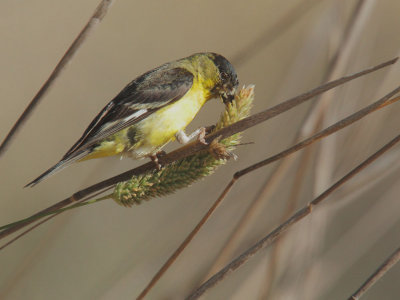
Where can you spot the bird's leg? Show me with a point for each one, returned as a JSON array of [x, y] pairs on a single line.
[[155, 157], [200, 133]]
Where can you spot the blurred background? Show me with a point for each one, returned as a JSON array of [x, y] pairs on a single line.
[[105, 251]]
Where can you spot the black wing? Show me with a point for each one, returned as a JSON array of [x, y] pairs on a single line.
[[142, 97]]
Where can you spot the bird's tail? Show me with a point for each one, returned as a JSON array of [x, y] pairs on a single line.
[[57, 167]]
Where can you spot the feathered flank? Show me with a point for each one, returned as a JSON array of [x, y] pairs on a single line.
[[184, 172]]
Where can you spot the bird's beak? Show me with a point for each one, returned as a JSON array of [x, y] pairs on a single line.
[[228, 96]]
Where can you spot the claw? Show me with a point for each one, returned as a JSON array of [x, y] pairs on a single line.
[[155, 157], [202, 134]]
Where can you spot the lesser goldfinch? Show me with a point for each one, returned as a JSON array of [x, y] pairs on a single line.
[[153, 110]]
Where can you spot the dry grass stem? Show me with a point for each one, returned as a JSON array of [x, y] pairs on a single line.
[[386, 266], [276, 233], [94, 20], [325, 161], [53, 211], [292, 203], [382, 211], [252, 212], [386, 100], [187, 240], [27, 231]]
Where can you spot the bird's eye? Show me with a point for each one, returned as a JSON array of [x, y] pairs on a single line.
[[224, 76]]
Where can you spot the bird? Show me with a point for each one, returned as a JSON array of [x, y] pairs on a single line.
[[153, 110]]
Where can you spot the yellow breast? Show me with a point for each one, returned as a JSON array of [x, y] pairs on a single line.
[[161, 127]]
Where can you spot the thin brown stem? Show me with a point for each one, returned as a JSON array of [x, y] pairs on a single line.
[[27, 231], [252, 212], [276, 233], [179, 250], [383, 268], [386, 100], [44, 213], [94, 20], [290, 208], [6, 232]]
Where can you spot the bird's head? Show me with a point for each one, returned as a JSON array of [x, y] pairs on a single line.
[[227, 82]]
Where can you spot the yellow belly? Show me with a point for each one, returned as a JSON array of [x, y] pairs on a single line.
[[160, 128]]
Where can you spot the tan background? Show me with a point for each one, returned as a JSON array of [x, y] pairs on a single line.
[[109, 252]]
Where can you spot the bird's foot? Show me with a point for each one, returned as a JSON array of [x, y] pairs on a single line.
[[155, 158], [200, 133]]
